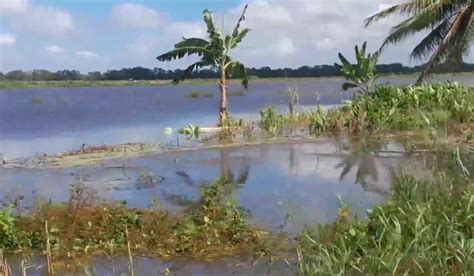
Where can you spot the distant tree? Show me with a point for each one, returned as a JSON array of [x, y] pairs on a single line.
[[451, 26], [214, 54]]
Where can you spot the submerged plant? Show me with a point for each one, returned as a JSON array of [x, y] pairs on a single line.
[[213, 53]]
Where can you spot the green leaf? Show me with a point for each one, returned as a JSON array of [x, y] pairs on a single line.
[[352, 231]]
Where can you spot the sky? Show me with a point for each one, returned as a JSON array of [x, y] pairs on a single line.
[[96, 35]]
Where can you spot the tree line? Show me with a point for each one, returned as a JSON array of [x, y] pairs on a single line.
[[141, 73]]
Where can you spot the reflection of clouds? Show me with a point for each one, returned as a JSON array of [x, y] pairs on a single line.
[[149, 133]]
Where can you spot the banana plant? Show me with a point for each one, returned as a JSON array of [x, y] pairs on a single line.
[[214, 54], [361, 75]]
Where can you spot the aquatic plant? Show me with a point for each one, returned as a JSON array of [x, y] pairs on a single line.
[[214, 54], [426, 228]]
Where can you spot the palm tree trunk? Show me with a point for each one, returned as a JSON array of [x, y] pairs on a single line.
[[223, 105]]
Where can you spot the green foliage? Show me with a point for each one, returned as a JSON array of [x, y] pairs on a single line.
[[426, 228], [271, 122], [217, 219], [361, 75], [10, 235], [213, 52], [317, 121], [191, 132], [390, 108], [450, 27]]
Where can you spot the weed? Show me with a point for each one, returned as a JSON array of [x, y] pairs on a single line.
[[426, 228], [271, 122]]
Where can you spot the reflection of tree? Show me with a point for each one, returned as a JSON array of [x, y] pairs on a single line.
[[234, 178], [362, 156]]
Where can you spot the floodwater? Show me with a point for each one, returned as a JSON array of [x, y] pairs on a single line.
[[52, 120], [281, 176], [281, 186]]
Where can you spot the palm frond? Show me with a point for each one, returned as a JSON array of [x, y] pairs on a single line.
[[457, 34], [426, 46]]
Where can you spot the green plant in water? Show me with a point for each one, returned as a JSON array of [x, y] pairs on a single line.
[[363, 74], [317, 121], [191, 132], [271, 122], [213, 53]]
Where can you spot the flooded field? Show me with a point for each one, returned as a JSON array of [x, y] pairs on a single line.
[[280, 187], [53, 120]]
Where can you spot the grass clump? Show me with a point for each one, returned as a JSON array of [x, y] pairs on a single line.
[[426, 228], [86, 225], [199, 94], [399, 109]]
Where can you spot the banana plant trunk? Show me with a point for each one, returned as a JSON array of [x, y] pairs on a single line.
[[223, 105]]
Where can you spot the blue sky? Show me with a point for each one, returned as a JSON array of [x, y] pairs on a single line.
[[91, 35]]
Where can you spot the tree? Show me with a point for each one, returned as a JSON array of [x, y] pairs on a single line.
[[450, 23], [213, 53], [361, 75]]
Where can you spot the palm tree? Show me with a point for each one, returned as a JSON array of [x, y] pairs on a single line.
[[450, 23], [214, 54]]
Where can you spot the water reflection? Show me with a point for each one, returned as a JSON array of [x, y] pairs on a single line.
[[270, 180]]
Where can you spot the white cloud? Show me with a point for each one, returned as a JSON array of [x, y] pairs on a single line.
[[48, 20], [186, 29], [13, 6], [137, 16], [43, 20], [55, 49], [285, 46], [86, 54], [7, 39]]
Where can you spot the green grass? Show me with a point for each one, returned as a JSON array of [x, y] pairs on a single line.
[[4, 84], [427, 228], [438, 108]]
